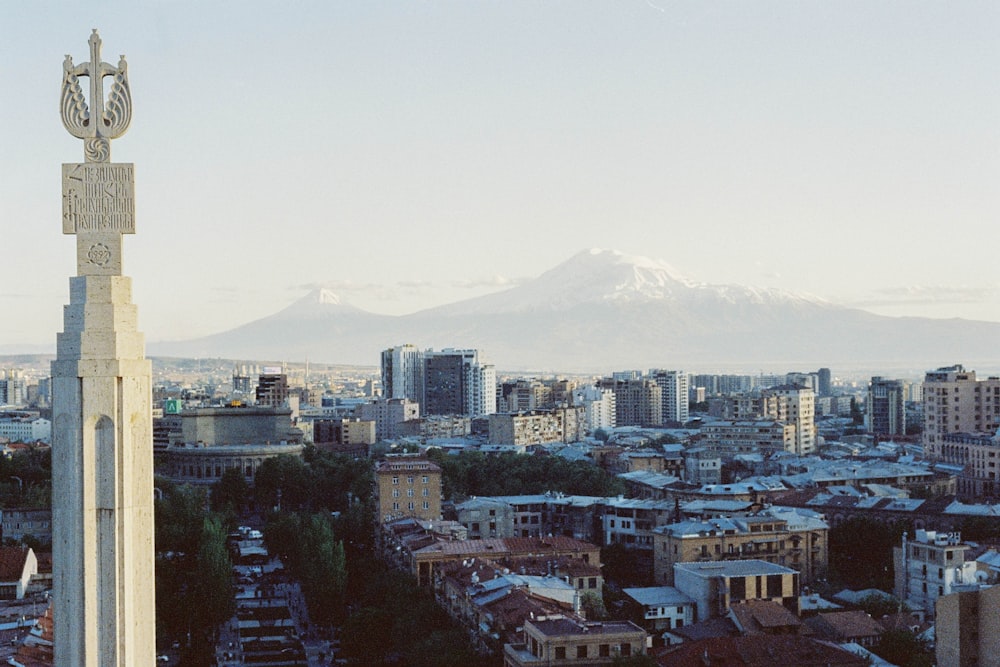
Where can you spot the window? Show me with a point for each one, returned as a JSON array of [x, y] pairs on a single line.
[[425, 493], [410, 506], [560, 652], [409, 480], [395, 493], [424, 479], [395, 506], [604, 651], [581, 651], [395, 480], [592, 582], [409, 493], [626, 650], [427, 505]]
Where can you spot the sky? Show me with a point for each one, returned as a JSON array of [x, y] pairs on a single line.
[[409, 154]]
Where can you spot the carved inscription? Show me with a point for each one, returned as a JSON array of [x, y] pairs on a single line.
[[98, 197]]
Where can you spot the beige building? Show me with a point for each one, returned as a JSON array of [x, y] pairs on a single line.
[[730, 438], [407, 486], [781, 537], [561, 640], [930, 566], [564, 424], [956, 402], [715, 587], [979, 456], [967, 627]]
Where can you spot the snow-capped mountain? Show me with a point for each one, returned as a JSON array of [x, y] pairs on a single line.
[[602, 309]]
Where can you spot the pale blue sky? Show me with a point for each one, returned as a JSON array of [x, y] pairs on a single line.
[[413, 153]]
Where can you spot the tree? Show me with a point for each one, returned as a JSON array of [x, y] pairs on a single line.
[[230, 493], [861, 552], [902, 647], [215, 576], [593, 606]]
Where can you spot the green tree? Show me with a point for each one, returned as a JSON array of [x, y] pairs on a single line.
[[231, 493], [215, 576], [903, 648], [861, 552]]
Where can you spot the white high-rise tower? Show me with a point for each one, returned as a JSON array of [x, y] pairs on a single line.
[[102, 453]]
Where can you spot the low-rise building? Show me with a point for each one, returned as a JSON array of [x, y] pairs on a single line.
[[562, 640], [930, 566], [715, 586], [660, 608], [407, 487], [780, 536]]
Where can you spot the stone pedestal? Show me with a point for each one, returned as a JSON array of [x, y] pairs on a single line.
[[102, 466]]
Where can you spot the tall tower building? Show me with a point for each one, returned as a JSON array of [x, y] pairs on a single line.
[[403, 373], [456, 383], [102, 449], [797, 406], [886, 407], [674, 387]]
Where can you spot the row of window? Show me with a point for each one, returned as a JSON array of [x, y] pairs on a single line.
[[410, 506], [409, 493], [409, 480]]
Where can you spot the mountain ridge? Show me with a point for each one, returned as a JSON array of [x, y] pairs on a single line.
[[605, 309]]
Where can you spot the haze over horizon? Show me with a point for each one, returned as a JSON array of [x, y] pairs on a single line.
[[411, 155]]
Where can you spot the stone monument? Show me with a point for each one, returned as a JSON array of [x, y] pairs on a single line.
[[102, 452]]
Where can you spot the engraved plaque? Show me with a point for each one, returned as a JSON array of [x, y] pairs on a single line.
[[98, 197]]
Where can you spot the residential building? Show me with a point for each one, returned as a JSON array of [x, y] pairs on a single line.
[[674, 394], [562, 424], [638, 402], [930, 566], [407, 487], [16, 523], [781, 536], [715, 586], [660, 608], [886, 407], [956, 402], [967, 626], [844, 627], [977, 455], [389, 415], [800, 410], [563, 640], [524, 395], [25, 426], [599, 406], [272, 388], [457, 383], [760, 651], [702, 465], [17, 566], [403, 373], [486, 517], [732, 438]]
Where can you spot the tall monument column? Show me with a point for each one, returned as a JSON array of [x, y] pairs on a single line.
[[102, 451]]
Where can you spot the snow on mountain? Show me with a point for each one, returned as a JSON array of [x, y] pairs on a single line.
[[602, 309], [609, 276]]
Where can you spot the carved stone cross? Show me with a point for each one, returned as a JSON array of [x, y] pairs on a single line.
[[98, 195]]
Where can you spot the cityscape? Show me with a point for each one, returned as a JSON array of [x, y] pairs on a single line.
[[598, 517], [412, 384]]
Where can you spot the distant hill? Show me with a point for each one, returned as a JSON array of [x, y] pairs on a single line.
[[602, 309]]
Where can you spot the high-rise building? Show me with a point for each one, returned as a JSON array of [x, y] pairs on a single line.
[[457, 383], [599, 406], [886, 407], [638, 402], [403, 373], [956, 402], [825, 382], [272, 388], [799, 408], [674, 390]]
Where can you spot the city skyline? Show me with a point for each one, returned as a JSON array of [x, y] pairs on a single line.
[[407, 156]]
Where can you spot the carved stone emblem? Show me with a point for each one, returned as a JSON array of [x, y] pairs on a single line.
[[99, 254]]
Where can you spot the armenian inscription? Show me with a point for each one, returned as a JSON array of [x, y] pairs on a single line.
[[98, 197]]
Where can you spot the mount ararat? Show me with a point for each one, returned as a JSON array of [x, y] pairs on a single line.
[[603, 310]]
